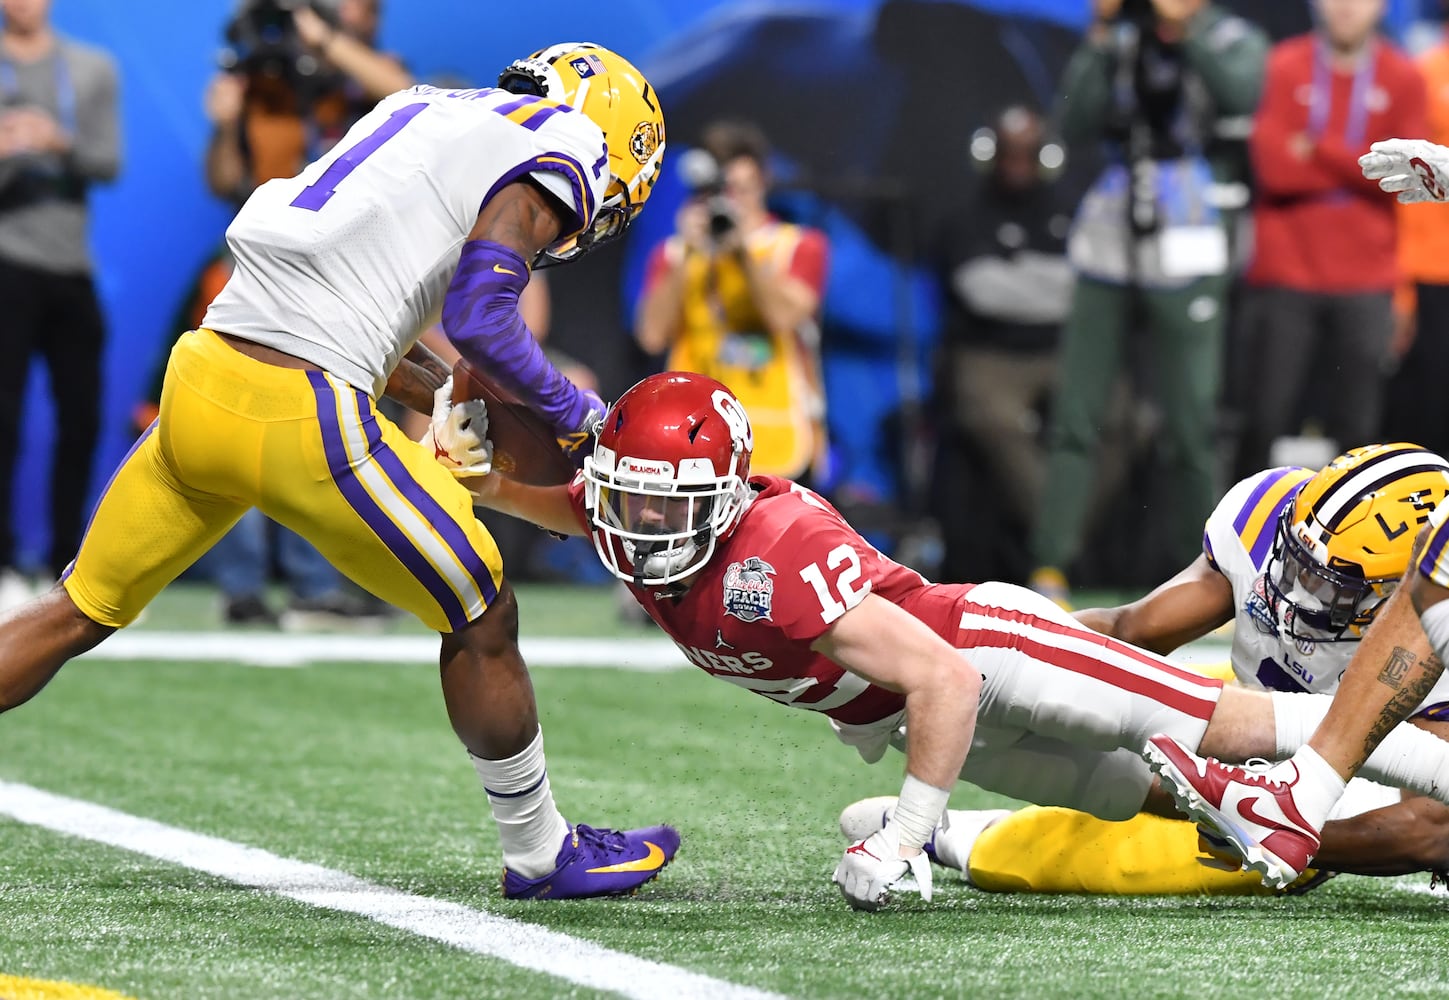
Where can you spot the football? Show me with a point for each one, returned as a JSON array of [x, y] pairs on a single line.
[[524, 445]]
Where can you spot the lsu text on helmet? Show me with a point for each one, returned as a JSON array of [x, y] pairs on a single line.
[[608, 89], [669, 477], [1345, 540]]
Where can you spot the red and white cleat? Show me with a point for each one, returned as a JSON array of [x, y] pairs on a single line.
[[1252, 810]]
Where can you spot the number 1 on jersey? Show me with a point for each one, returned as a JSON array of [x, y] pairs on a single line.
[[315, 195]]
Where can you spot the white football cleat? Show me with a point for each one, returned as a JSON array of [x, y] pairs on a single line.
[[1253, 812]]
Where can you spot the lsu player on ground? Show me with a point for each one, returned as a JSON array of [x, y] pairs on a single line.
[[438, 202], [1301, 562], [1273, 819], [761, 583]]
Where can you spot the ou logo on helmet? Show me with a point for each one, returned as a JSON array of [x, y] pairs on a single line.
[[734, 414]]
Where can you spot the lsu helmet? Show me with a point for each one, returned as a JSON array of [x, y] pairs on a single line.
[[669, 477], [1345, 540], [608, 89]]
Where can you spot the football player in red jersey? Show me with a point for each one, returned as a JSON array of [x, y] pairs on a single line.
[[762, 583]]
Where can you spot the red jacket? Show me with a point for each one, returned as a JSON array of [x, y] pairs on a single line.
[[1319, 226]]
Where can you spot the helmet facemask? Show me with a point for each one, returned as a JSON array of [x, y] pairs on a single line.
[[590, 71], [654, 524], [610, 221], [1317, 598]]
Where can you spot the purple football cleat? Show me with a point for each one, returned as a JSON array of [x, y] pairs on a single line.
[[599, 862]]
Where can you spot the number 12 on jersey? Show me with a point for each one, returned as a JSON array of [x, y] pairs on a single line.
[[843, 558]]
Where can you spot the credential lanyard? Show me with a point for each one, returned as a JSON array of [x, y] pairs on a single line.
[[1322, 102], [64, 88]]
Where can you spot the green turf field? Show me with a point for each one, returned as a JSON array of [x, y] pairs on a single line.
[[353, 767]]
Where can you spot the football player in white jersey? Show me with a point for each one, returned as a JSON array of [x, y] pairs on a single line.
[[1273, 819], [1301, 562], [437, 203]]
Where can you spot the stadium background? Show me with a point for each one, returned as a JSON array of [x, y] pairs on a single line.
[[805, 69]]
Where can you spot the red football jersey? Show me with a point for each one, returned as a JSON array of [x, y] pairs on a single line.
[[791, 568]]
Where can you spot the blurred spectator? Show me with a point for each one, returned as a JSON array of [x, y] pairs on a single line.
[[1319, 301], [1003, 260], [1157, 81], [1416, 408], [735, 294], [59, 131], [293, 93]]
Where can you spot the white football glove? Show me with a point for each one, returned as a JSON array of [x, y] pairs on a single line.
[[458, 435], [871, 867], [1416, 169]]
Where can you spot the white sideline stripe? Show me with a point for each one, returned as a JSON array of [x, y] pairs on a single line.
[[648, 655], [524, 945]]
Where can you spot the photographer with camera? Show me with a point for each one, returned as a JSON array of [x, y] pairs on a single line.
[[735, 294], [1162, 82], [59, 132], [296, 77]]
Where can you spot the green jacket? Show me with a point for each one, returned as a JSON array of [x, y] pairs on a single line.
[[1225, 57]]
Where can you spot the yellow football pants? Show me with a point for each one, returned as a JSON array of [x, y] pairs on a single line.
[[310, 452], [1041, 849], [1046, 849]]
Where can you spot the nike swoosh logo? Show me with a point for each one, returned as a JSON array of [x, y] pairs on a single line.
[[1247, 810], [503, 270], [654, 859]]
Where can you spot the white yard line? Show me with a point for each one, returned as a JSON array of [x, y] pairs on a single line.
[[525, 945], [275, 649], [649, 654]]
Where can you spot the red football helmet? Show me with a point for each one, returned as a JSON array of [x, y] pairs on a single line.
[[669, 477]]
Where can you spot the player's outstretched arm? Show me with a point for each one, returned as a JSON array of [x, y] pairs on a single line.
[[1389, 676], [480, 308], [893, 649], [548, 507], [1186, 607]]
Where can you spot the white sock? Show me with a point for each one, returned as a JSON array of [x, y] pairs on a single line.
[[529, 824], [1408, 757], [1319, 786]]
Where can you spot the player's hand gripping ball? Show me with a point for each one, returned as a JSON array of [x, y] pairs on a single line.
[[525, 447]]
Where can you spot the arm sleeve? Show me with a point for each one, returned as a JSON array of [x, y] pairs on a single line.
[[96, 146], [480, 317], [1280, 173]]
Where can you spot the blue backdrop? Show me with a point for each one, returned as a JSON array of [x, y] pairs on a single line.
[[154, 227]]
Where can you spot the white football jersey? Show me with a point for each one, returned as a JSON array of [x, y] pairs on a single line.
[[1239, 539], [344, 264]]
